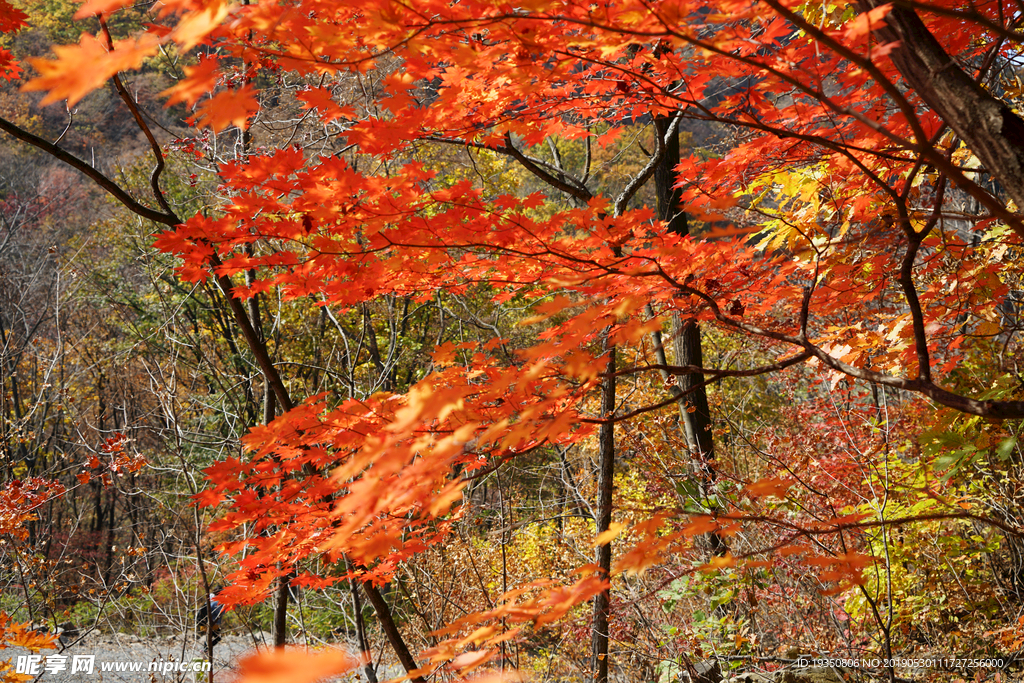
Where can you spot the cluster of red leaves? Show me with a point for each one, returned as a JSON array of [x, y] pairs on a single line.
[[18, 500], [120, 462], [11, 19]]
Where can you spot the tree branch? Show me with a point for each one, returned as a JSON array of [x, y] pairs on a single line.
[[154, 179], [648, 170], [112, 188], [581, 193]]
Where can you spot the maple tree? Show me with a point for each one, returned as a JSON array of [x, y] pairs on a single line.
[[853, 221]]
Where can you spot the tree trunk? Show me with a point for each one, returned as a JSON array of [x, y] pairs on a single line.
[[605, 489], [387, 622], [693, 396], [364, 643], [669, 196], [281, 612], [695, 413], [989, 127]]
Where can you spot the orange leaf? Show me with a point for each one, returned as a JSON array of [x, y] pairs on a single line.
[[721, 562], [701, 525], [199, 80], [468, 661], [507, 676], [23, 635], [80, 69], [772, 486], [294, 666], [606, 537], [195, 26], [229, 108], [320, 98], [863, 23], [93, 7]]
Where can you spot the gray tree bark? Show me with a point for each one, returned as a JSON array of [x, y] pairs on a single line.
[[988, 126]]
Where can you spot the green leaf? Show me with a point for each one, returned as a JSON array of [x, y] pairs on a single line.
[[1004, 451]]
